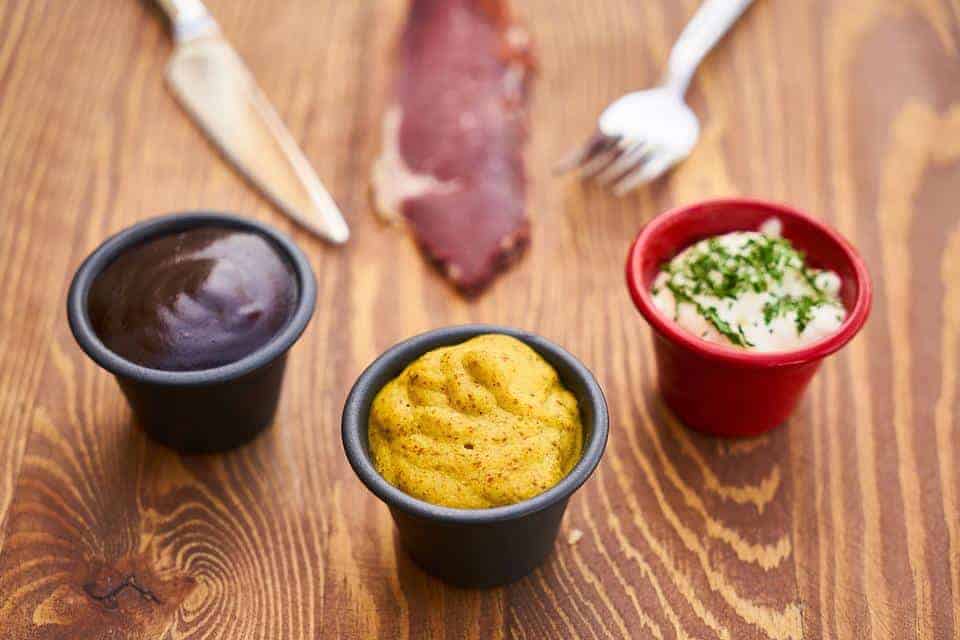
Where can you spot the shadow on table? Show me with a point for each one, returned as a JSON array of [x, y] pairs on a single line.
[[434, 604], [710, 458]]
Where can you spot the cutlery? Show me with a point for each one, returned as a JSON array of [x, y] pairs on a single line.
[[219, 92], [643, 134]]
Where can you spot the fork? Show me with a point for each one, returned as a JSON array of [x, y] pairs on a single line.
[[643, 134]]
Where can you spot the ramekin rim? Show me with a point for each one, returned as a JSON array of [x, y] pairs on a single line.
[[642, 299], [94, 264], [411, 348]]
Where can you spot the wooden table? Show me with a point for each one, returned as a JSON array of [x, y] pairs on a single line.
[[844, 523]]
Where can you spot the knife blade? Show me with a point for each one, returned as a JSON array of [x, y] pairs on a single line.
[[215, 87]]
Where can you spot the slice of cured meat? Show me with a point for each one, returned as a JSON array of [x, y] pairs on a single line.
[[453, 138]]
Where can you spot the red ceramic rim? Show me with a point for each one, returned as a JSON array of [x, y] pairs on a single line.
[[856, 316]]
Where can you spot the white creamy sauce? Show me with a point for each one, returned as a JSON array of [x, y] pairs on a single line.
[[751, 290]]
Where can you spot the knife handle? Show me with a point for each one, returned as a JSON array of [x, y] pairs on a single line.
[[189, 19]]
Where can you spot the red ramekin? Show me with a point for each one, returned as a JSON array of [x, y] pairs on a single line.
[[723, 390]]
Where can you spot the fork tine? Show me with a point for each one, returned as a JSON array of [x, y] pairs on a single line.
[[601, 157], [649, 169], [610, 150], [596, 164], [597, 143], [634, 155]]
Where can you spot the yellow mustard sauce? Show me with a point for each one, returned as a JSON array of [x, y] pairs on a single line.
[[481, 424]]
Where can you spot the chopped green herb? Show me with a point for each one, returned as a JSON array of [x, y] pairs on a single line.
[[713, 269]]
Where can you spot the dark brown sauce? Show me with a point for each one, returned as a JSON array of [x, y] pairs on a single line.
[[194, 300]]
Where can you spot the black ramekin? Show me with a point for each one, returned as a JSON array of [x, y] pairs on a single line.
[[475, 547], [211, 409]]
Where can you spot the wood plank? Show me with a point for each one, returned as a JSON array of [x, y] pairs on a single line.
[[844, 523]]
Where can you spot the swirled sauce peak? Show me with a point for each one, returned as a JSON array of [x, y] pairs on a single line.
[[198, 299], [481, 424]]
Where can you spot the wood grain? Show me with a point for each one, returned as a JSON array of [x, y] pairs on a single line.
[[845, 523]]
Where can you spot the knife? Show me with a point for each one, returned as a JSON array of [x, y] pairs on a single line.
[[219, 92]]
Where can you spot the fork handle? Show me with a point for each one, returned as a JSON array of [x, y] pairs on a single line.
[[189, 19], [709, 24]]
